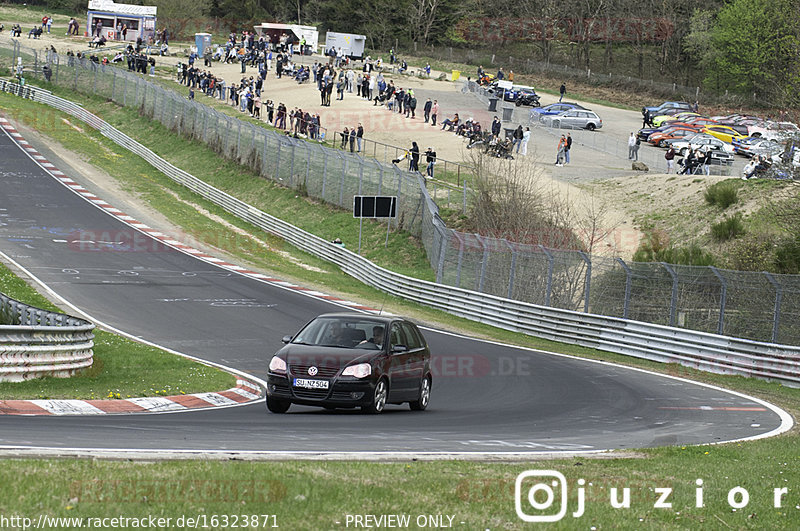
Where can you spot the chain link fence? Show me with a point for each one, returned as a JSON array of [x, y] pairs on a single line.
[[758, 306]]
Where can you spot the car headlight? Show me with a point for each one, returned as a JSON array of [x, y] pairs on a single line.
[[362, 370], [277, 364]]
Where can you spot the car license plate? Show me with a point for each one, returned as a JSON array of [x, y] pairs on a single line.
[[311, 384]]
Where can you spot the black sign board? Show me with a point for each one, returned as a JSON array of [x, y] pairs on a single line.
[[374, 206]]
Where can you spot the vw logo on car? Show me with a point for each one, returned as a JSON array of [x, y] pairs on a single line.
[[312, 371]]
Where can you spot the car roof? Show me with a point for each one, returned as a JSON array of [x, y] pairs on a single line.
[[363, 316]]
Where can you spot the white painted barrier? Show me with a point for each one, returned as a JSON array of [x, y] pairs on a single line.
[[703, 351]]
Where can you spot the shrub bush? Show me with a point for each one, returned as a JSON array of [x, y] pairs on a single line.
[[723, 194], [729, 228]]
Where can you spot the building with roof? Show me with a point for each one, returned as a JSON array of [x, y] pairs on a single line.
[[140, 20]]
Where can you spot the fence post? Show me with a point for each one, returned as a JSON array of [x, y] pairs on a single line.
[[513, 268], [238, 138], [484, 262], [442, 251], [549, 288], [673, 303], [460, 257], [723, 298], [464, 196], [628, 274], [776, 315], [341, 182], [587, 281], [324, 173]]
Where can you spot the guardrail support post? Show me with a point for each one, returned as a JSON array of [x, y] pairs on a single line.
[[587, 282], [673, 303], [776, 315], [723, 298], [628, 275]]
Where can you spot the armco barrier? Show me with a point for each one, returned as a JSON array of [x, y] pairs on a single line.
[[41, 343], [703, 351]]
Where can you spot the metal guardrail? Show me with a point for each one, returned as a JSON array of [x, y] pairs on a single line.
[[41, 343], [703, 351]]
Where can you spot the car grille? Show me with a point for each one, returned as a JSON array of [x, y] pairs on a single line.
[[310, 393], [323, 372]]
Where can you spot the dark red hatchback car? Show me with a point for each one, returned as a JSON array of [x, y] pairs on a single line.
[[347, 360]]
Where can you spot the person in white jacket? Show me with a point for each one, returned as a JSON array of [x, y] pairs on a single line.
[[526, 136]]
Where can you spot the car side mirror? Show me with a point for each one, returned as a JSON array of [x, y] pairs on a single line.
[[286, 339], [397, 349]]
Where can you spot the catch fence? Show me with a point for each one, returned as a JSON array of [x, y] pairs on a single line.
[[752, 305]]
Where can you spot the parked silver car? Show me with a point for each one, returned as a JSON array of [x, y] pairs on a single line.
[[575, 119]]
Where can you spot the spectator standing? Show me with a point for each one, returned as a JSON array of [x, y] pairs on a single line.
[[562, 143], [562, 91], [50, 24], [352, 140], [412, 104], [413, 165], [434, 112], [669, 156], [345, 137], [636, 143], [359, 135], [517, 137], [426, 110], [526, 136], [496, 125], [567, 148], [631, 146], [430, 158], [707, 161]]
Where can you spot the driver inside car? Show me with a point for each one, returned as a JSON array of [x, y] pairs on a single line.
[[377, 337]]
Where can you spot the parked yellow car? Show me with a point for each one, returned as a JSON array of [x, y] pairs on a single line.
[[724, 133], [658, 121]]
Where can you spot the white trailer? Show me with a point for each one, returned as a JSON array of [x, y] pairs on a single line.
[[352, 45]]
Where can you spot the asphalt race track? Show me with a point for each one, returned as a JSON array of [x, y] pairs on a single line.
[[486, 397]]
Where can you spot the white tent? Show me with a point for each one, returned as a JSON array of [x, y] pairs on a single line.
[[296, 31]]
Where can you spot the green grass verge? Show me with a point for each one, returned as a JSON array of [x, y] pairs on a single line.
[[305, 496], [122, 368]]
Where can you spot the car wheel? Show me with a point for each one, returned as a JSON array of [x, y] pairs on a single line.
[[276, 405], [518, 103], [424, 395], [590, 127], [556, 124], [379, 395]]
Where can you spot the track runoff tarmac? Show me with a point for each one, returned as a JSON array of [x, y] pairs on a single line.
[[489, 400]]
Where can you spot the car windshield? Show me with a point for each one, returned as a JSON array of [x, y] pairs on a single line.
[[342, 332]]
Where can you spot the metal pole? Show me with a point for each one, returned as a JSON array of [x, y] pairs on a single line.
[[776, 315], [460, 257], [723, 298], [389, 225], [513, 268], [484, 262], [549, 274], [627, 287], [587, 282], [673, 303]]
